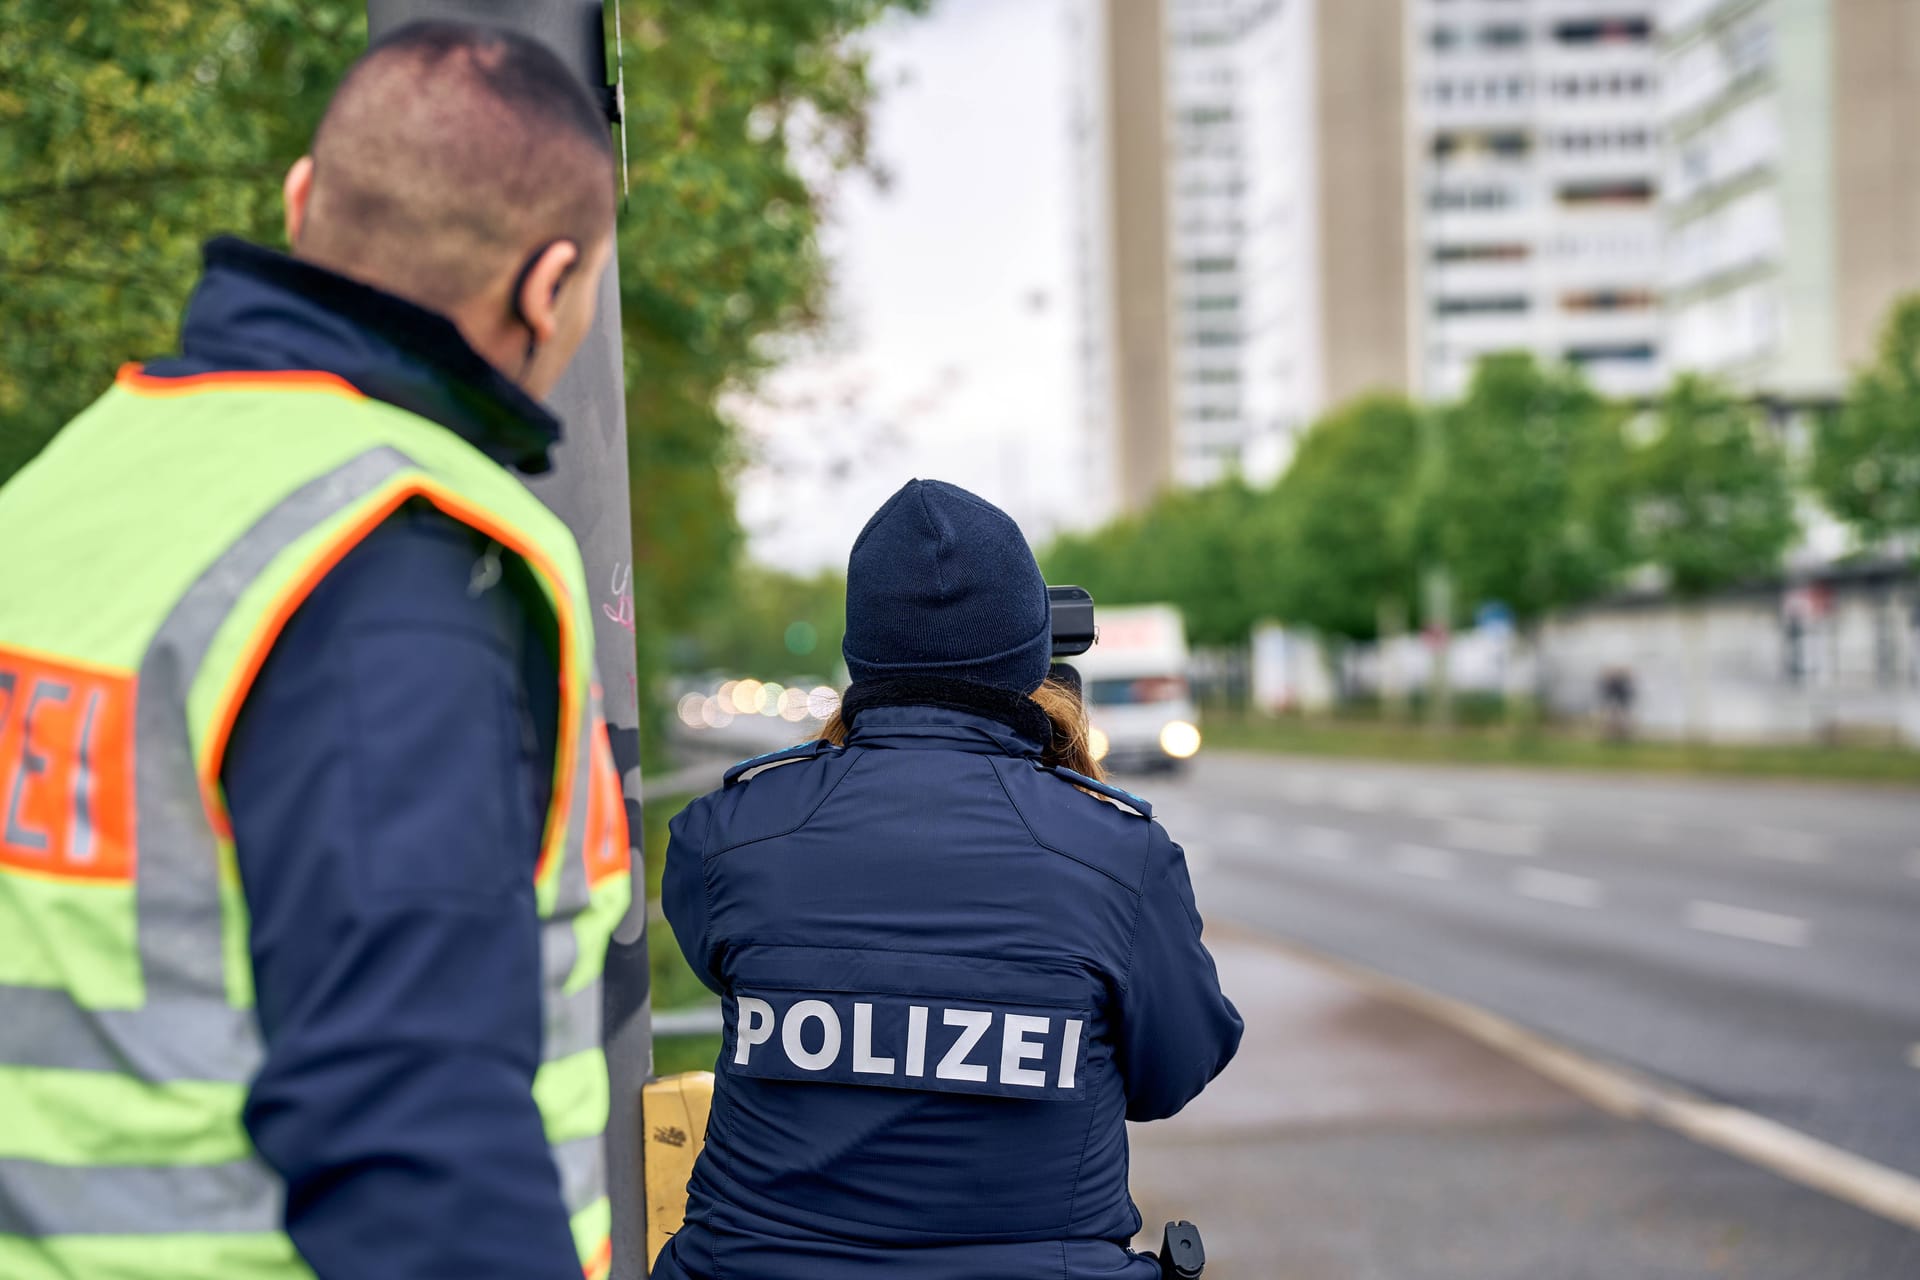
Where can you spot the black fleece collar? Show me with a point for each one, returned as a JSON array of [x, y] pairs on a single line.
[[256, 309], [1017, 711]]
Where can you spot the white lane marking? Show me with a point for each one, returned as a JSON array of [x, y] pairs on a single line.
[[1245, 828], [1424, 861], [1874, 1187], [1521, 809], [1913, 1057], [1362, 797], [1556, 886], [1654, 830], [1780, 844], [1508, 839], [1329, 844], [1432, 802], [1300, 788], [1745, 922]]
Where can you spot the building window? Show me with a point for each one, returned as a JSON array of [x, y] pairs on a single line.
[[1481, 253], [1504, 35], [1622, 352], [1503, 304], [1609, 300], [1506, 143], [1604, 31], [1606, 193]]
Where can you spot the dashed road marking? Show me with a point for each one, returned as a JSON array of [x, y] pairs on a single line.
[[1247, 829], [1781, 844], [1362, 797], [1299, 788], [1432, 802], [1523, 809], [1424, 861], [1747, 923], [1329, 844], [1508, 839], [1557, 886]]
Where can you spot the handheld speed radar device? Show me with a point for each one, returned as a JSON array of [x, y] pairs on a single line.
[[1073, 629]]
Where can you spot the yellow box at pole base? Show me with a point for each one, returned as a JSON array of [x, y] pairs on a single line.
[[673, 1118]]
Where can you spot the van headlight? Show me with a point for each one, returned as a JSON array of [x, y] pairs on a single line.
[[1097, 744], [1179, 739]]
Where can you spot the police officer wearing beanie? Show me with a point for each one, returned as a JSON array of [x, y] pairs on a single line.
[[950, 968]]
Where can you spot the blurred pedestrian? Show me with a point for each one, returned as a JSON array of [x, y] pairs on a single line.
[[1616, 703], [953, 962], [311, 828]]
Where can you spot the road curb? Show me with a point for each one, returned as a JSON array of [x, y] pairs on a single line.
[[1625, 1093]]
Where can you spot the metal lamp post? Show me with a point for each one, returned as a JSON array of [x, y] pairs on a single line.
[[588, 489]]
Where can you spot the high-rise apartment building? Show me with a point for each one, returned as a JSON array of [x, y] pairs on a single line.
[[1536, 214], [1792, 184], [1280, 286]]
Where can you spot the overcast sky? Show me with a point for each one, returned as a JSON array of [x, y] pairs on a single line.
[[951, 355]]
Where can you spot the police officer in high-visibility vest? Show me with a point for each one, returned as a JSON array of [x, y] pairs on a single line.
[[952, 962], [310, 838]]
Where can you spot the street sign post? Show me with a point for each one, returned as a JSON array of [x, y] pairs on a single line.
[[588, 489]]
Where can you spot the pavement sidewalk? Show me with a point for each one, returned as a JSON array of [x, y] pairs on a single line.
[[1354, 1139]]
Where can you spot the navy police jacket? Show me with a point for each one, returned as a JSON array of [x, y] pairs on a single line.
[[948, 977]]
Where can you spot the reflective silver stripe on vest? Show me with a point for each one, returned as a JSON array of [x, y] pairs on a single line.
[[572, 1021], [159, 1042], [583, 1171], [57, 1200], [177, 883]]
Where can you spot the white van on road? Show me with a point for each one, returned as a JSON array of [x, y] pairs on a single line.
[[1138, 698]]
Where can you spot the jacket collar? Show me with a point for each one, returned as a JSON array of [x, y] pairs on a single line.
[[259, 310], [953, 715]]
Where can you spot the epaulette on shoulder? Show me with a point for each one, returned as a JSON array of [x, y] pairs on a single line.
[[805, 751], [1106, 789]]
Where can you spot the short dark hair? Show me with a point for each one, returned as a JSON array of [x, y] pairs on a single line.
[[449, 152]]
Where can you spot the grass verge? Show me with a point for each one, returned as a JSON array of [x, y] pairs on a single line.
[[1493, 745]]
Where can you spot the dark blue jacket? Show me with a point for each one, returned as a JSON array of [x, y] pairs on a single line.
[[948, 978], [387, 778]]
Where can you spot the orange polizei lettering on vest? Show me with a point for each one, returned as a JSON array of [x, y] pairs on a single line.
[[606, 834], [66, 769]]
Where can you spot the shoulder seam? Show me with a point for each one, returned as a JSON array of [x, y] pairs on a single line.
[[1051, 848], [805, 819]]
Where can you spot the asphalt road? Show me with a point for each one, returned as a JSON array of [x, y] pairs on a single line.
[[1757, 943]]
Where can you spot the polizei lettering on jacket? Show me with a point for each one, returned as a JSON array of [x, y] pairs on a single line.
[[949, 1045]]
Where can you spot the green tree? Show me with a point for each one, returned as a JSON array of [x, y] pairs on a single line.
[[1517, 504], [1343, 509], [1866, 462], [774, 626], [1708, 491], [1211, 552], [129, 133]]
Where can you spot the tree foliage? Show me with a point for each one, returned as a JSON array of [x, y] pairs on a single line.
[[1516, 504], [1709, 495], [1210, 551], [1866, 463], [1343, 526], [129, 133]]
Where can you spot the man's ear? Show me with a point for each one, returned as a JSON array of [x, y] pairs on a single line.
[[539, 287], [296, 191]]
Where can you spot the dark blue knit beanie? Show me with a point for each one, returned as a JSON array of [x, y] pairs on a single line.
[[941, 583]]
